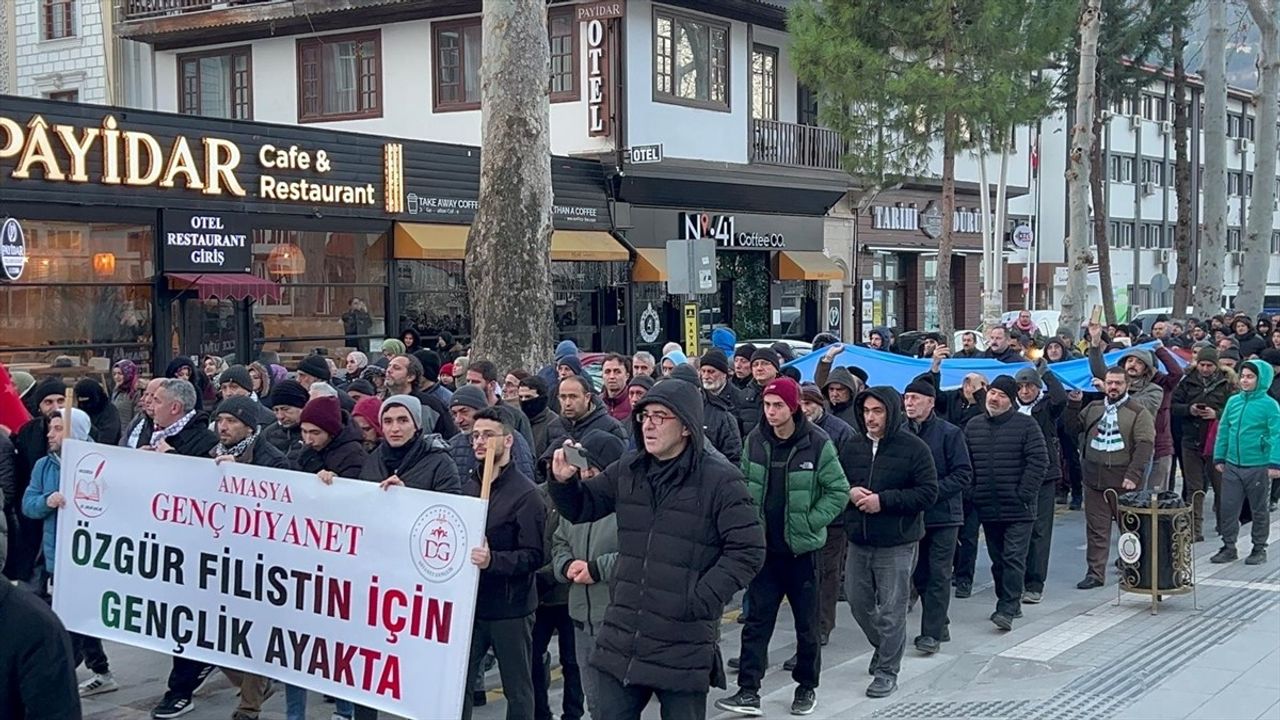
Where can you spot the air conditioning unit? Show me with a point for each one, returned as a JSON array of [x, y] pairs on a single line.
[[1166, 256], [1148, 188], [1166, 128], [1242, 145], [1135, 122], [1236, 257]]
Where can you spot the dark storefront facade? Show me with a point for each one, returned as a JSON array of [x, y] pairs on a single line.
[[150, 235]]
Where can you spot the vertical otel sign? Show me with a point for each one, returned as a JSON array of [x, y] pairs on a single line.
[[597, 16]]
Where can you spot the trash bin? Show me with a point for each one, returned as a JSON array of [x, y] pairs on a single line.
[[1135, 503]]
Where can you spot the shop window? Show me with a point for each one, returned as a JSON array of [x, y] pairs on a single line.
[[764, 83], [691, 60], [578, 295], [457, 71], [59, 19], [433, 297], [216, 84], [562, 32], [340, 77]]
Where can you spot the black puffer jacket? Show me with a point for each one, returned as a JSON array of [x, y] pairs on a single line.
[[751, 407], [1009, 462], [689, 537], [955, 471], [562, 428], [719, 422], [287, 440], [901, 472], [344, 456], [195, 439], [427, 466], [1047, 411], [515, 527]]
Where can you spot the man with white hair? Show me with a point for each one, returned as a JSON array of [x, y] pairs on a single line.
[[322, 389], [139, 432]]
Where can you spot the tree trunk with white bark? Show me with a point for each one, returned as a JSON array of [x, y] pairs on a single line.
[[508, 261], [1256, 244], [1182, 244], [1213, 239], [1082, 139], [946, 303]]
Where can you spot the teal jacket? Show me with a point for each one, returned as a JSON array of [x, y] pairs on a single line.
[[817, 491], [1249, 430]]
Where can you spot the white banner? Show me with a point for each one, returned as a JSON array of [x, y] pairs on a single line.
[[345, 589]]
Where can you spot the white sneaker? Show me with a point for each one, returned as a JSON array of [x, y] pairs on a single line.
[[98, 684]]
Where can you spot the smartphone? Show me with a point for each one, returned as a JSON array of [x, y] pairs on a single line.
[[576, 456], [1096, 316]]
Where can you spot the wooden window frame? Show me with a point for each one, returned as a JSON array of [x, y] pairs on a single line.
[[770, 51], [318, 42], [575, 32], [247, 51], [437, 105], [72, 95], [68, 29], [711, 22]]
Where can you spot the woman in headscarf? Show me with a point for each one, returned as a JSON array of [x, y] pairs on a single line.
[[92, 398], [262, 383], [391, 347], [412, 341], [183, 368], [125, 396], [213, 367]]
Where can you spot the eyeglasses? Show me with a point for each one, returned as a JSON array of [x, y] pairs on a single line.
[[658, 419], [481, 436]]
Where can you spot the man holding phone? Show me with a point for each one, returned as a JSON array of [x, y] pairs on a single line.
[[1198, 400]]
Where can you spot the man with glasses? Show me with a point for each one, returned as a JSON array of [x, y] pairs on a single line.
[[406, 456], [508, 557]]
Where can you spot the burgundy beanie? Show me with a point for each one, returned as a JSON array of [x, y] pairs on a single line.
[[325, 413], [787, 390]]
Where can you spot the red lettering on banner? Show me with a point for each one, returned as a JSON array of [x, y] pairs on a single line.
[[257, 489], [194, 512]]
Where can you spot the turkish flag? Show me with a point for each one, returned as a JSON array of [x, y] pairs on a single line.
[[13, 414]]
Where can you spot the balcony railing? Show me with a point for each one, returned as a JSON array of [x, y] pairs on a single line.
[[794, 145], [148, 9]]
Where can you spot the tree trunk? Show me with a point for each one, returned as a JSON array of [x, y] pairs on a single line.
[[1213, 238], [946, 303], [1181, 177], [1101, 225], [1082, 140], [1257, 241], [508, 258]]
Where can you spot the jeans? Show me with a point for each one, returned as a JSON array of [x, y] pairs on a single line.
[[549, 620], [512, 643], [877, 582], [627, 702], [1238, 485], [831, 560], [584, 646], [1007, 544], [967, 546], [295, 704], [794, 577], [932, 578], [1041, 538]]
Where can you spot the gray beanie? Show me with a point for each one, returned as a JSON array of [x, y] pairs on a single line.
[[408, 402], [469, 396]]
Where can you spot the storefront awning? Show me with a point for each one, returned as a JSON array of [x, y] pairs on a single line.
[[807, 265], [651, 265], [423, 241], [229, 286]]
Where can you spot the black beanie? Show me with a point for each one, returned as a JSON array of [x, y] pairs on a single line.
[[430, 360], [603, 449], [921, 387], [769, 355], [745, 350], [362, 386], [237, 374], [716, 358], [289, 393], [1006, 385], [316, 367], [241, 408]]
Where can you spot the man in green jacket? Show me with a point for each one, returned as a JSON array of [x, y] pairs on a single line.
[[1247, 453], [794, 475]]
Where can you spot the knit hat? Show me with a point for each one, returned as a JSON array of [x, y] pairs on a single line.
[[603, 449], [745, 350], [408, 402], [566, 348], [715, 358], [316, 367], [325, 413], [643, 381], [768, 355], [572, 362], [1208, 353], [370, 409], [685, 372], [1230, 354], [446, 370], [785, 352], [469, 396], [241, 408], [811, 393], [46, 387], [1270, 356], [289, 393], [393, 346], [921, 387], [238, 375], [786, 390], [430, 360], [791, 372], [362, 386], [23, 381], [1027, 375], [1006, 385]]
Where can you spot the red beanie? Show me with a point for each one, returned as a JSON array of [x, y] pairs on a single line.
[[370, 409], [325, 413], [787, 391]]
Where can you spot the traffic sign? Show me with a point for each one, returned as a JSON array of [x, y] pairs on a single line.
[[1023, 236]]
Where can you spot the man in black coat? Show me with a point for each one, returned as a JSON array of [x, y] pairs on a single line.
[[1045, 406], [330, 442], [892, 482], [288, 397], [942, 521], [508, 559], [533, 403], [998, 347], [689, 538], [719, 424], [406, 456], [1009, 459], [139, 431], [37, 677], [580, 411], [765, 364], [30, 444]]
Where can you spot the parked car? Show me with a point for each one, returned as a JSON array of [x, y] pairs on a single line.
[[799, 347]]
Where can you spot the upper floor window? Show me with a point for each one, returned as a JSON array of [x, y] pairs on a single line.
[[691, 60], [1235, 183], [1153, 171], [457, 54], [340, 77], [1124, 106], [59, 19], [64, 96], [1275, 242], [806, 106], [562, 32], [216, 84], [1154, 108], [764, 82], [1121, 169], [1233, 239], [1233, 125]]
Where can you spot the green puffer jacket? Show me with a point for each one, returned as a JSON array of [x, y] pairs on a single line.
[[1249, 431], [817, 491]]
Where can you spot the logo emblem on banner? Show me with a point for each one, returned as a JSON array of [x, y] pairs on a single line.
[[438, 543], [90, 488]]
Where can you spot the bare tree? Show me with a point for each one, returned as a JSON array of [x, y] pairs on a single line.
[[1097, 191], [1257, 241], [1082, 140], [508, 261], [1213, 239]]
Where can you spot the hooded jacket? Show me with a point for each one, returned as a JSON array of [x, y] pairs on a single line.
[[1068, 352], [886, 338], [1250, 343], [30, 445], [46, 479], [719, 422], [427, 466], [1249, 432], [1153, 391], [515, 526], [92, 398], [1194, 389], [955, 471], [344, 456], [1009, 462], [198, 379], [689, 538], [898, 467], [842, 377]]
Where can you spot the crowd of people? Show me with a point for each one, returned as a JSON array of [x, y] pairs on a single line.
[[624, 519]]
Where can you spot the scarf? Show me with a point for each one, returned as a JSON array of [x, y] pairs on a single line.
[[135, 436], [174, 429], [1108, 438], [1026, 409], [235, 450]]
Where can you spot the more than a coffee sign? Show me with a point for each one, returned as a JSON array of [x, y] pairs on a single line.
[[207, 242]]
